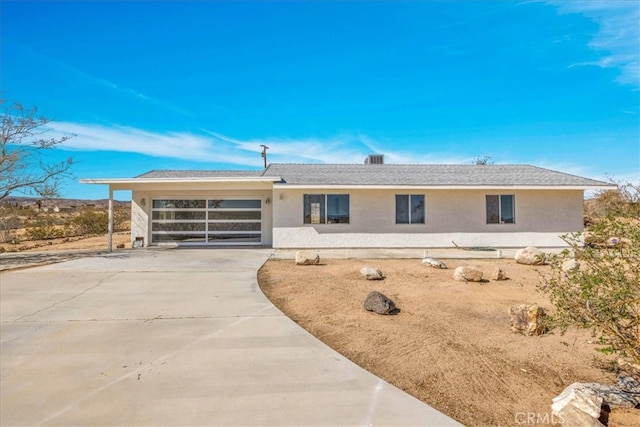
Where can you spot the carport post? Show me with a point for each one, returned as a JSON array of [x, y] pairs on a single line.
[[110, 229]]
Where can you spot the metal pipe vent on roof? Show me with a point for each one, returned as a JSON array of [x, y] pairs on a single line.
[[374, 159]]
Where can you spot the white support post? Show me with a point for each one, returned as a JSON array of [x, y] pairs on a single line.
[[110, 232]]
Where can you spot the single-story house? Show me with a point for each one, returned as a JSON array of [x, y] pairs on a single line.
[[370, 205]]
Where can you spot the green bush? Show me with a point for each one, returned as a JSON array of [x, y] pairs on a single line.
[[90, 221], [603, 294], [44, 232]]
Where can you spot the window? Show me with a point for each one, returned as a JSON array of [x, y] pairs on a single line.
[[410, 209], [501, 209], [326, 209]]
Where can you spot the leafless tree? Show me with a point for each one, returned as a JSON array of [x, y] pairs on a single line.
[[23, 147]]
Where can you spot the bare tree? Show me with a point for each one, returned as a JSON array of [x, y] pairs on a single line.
[[483, 160], [23, 148]]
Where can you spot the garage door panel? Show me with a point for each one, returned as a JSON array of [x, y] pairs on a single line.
[[206, 221], [235, 215], [179, 215], [179, 226], [235, 226], [175, 237]]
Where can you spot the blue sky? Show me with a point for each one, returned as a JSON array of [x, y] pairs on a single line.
[[201, 85]]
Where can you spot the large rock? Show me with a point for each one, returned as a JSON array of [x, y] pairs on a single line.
[[498, 274], [577, 405], [307, 258], [379, 303], [527, 319], [434, 262], [468, 273], [371, 273], [580, 403], [530, 256]]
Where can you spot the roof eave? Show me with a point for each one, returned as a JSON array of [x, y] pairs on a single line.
[[284, 186], [110, 181]]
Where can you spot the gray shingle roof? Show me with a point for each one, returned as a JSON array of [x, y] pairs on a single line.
[[425, 175], [392, 174]]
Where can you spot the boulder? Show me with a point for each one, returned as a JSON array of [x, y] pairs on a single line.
[[468, 273], [570, 265], [581, 403], [526, 319], [307, 258], [379, 303], [577, 405], [498, 274], [434, 262], [371, 273], [530, 256]]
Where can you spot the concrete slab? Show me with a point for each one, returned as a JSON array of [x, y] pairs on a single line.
[[174, 337]]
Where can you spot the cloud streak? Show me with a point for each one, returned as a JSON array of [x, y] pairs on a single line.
[[213, 147], [618, 36]]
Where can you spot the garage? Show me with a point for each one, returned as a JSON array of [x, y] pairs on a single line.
[[206, 221]]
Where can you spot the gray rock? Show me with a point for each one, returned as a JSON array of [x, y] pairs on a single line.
[[526, 319], [371, 273], [434, 262], [307, 258], [615, 396], [499, 274], [379, 303], [629, 384], [530, 256], [468, 273]]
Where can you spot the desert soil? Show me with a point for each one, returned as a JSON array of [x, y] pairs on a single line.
[[450, 345], [32, 253]]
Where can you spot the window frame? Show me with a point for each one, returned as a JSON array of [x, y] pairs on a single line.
[[324, 207], [409, 208], [500, 220]]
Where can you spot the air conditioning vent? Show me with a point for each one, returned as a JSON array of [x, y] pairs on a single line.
[[374, 159]]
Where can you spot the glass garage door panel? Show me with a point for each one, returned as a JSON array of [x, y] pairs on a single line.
[[206, 221]]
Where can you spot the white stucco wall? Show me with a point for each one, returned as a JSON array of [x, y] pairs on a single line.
[[458, 215], [141, 215]]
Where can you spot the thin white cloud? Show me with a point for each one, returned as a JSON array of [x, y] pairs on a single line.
[[618, 36], [214, 147]]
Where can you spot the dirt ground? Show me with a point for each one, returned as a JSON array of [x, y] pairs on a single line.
[[68, 243], [40, 252], [450, 345]]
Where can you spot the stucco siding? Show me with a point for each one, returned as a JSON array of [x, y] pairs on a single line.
[[458, 215]]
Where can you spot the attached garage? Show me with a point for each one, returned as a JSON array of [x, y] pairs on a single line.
[[213, 221]]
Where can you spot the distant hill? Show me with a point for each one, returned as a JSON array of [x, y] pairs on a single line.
[[66, 203]]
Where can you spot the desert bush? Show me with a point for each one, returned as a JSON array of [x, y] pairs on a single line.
[[603, 294], [624, 201], [91, 221], [44, 232], [9, 223]]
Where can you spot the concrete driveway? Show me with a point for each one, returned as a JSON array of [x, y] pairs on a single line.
[[174, 337]]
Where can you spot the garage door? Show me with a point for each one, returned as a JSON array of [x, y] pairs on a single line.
[[206, 221]]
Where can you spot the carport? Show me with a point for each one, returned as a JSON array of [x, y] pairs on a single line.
[[203, 208]]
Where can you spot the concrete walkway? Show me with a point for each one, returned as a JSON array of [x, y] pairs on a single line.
[[174, 337]]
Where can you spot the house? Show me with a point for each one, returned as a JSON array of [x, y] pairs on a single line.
[[370, 205]]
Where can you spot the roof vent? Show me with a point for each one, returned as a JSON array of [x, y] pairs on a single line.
[[374, 159]]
